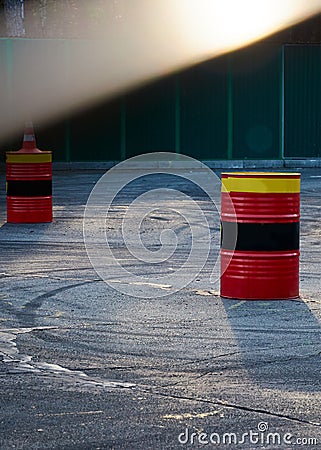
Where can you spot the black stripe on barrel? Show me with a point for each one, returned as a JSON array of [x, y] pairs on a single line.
[[261, 236], [33, 188]]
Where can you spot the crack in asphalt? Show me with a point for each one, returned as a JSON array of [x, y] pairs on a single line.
[[223, 355], [257, 350], [262, 362], [290, 358], [234, 406], [21, 363]]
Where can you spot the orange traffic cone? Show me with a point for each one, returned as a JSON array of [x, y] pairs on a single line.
[[29, 140]]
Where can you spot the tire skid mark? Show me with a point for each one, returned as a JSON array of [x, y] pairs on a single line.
[[27, 314]]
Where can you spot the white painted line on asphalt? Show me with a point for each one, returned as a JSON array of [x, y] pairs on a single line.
[[192, 415], [207, 292], [141, 283], [237, 304]]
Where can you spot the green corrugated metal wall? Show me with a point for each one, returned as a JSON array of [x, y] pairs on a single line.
[[95, 134], [256, 91], [261, 102], [302, 105], [203, 103], [150, 118]]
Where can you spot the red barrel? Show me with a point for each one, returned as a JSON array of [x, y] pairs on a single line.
[[260, 217], [29, 182]]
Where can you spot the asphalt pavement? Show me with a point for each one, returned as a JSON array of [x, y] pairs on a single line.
[[85, 365]]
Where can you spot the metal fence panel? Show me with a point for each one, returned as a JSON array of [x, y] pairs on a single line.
[[204, 110], [256, 91], [95, 133], [150, 118], [255, 103], [302, 100]]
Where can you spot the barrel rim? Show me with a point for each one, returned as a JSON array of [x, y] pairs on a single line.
[[261, 174], [260, 254], [18, 152]]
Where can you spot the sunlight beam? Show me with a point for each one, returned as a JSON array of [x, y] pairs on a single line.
[[45, 79]]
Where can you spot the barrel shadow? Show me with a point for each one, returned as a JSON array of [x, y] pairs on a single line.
[[279, 342]]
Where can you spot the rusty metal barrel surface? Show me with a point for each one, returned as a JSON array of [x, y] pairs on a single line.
[[260, 219]]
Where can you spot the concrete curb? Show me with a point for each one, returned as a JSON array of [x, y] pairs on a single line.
[[212, 164], [81, 165], [301, 163]]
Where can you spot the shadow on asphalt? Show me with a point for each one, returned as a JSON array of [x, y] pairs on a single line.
[[279, 343]]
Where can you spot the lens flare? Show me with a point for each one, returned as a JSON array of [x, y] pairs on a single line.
[[48, 78]]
